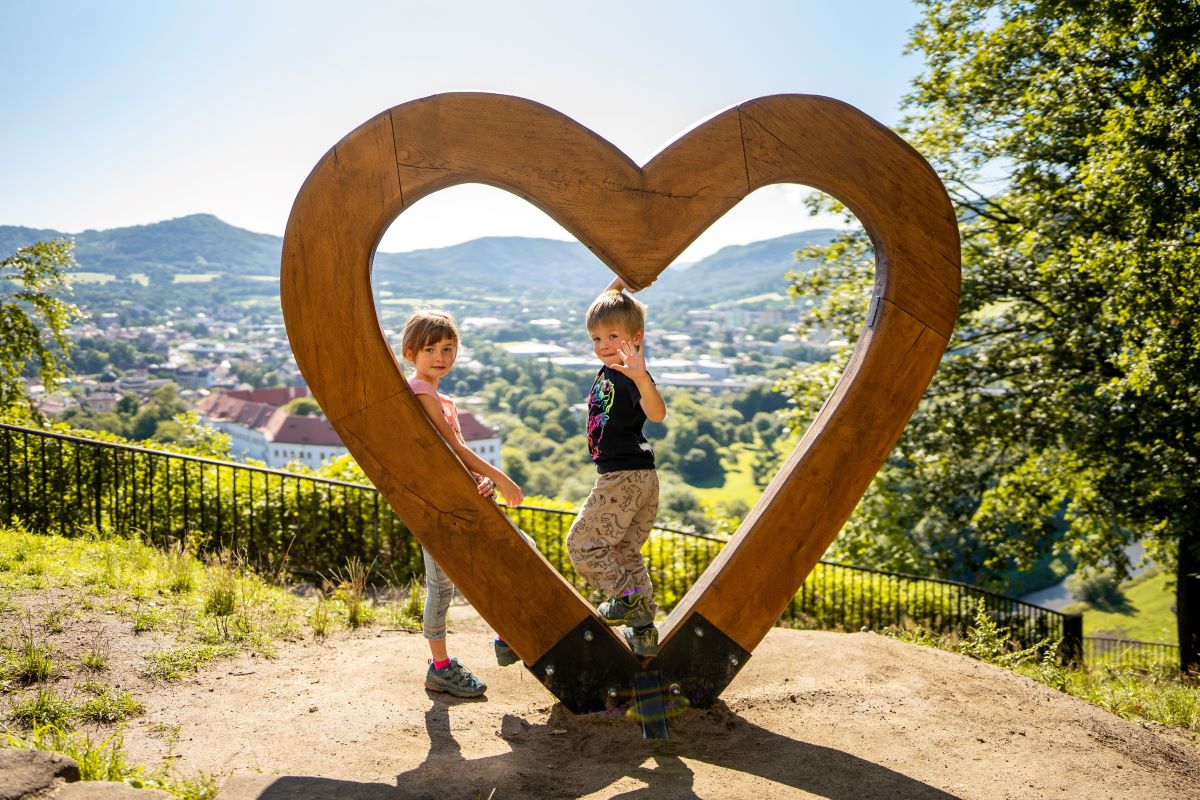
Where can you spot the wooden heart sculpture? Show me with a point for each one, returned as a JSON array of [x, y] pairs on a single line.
[[637, 220]]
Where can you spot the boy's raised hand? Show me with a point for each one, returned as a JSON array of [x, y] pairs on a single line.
[[633, 363]]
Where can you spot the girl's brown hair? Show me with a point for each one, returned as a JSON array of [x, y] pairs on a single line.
[[426, 327]]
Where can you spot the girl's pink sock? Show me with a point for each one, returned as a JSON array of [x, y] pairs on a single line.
[[441, 664]]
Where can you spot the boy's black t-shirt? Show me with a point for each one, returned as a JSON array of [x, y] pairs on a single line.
[[614, 424]]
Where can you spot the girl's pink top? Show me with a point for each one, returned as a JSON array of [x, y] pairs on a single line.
[[449, 410]]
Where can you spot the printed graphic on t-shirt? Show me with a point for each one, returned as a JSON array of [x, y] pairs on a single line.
[[599, 405]]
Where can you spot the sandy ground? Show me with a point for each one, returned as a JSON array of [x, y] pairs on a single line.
[[812, 715]]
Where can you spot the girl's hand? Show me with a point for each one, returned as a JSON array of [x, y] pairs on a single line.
[[512, 493], [486, 487]]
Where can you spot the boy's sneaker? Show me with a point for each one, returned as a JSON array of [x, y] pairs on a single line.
[[632, 610], [454, 679], [505, 655], [643, 640]]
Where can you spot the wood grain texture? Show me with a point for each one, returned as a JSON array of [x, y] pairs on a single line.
[[637, 220]]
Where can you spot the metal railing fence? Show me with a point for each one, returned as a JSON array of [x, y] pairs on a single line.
[[1103, 651], [277, 520], [849, 598], [65, 484]]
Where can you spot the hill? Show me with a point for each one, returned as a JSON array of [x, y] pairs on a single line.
[[738, 270], [498, 265], [506, 265], [199, 243]]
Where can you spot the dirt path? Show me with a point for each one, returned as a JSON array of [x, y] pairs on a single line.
[[812, 715]]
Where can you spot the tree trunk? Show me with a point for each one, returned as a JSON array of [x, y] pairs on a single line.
[[1187, 600]]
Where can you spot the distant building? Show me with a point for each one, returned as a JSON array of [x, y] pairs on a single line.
[[54, 404], [101, 400], [482, 440], [533, 350], [260, 427]]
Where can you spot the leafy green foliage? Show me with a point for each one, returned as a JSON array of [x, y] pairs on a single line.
[[33, 316], [1066, 410]]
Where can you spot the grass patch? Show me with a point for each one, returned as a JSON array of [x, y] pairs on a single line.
[[170, 665], [739, 484], [106, 760], [153, 589], [1146, 616], [108, 707], [94, 660], [148, 619], [43, 707], [54, 620]]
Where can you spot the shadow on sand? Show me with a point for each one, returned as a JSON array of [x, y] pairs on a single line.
[[572, 756]]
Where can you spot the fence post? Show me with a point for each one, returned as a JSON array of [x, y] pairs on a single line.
[[1071, 651]]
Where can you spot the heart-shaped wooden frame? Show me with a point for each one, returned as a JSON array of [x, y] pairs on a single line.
[[637, 220]]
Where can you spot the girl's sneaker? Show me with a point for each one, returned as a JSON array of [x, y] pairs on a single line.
[[505, 655], [454, 679]]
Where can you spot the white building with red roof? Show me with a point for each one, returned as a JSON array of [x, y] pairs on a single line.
[[259, 427]]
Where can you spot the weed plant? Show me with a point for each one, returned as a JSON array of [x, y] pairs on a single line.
[[95, 656], [320, 619], [94, 660], [180, 570], [147, 619], [407, 609], [32, 656], [43, 707], [108, 707], [351, 592], [221, 598], [53, 620]]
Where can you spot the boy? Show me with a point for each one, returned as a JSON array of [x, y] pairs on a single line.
[[605, 542]]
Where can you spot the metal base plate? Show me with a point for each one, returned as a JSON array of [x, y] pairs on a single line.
[[588, 669], [700, 660]]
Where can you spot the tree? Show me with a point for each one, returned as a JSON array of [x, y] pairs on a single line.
[[1068, 135], [33, 317], [304, 407], [128, 405], [164, 405]]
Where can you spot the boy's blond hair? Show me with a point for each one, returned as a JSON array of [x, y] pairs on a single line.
[[425, 327], [616, 308]]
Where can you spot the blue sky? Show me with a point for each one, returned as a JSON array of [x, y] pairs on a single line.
[[125, 113]]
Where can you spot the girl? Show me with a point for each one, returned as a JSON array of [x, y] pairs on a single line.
[[430, 344]]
